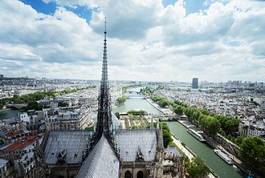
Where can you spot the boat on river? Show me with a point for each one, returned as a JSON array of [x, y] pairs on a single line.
[[224, 156], [196, 134]]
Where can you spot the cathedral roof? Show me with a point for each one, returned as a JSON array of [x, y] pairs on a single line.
[[109, 146], [132, 141], [73, 145], [101, 162]]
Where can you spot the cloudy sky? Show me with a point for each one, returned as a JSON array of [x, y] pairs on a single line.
[[158, 40]]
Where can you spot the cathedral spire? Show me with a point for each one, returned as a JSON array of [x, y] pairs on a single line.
[[105, 64], [104, 121]]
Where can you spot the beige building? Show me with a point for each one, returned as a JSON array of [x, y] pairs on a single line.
[[68, 118]]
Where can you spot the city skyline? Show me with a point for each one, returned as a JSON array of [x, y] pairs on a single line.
[[175, 41], [141, 123]]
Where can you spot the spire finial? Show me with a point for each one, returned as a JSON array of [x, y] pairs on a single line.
[[105, 23]]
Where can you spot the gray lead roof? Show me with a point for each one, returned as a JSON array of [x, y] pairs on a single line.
[[74, 142], [101, 162], [130, 141], [3, 163]]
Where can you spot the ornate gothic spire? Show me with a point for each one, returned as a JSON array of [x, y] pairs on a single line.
[[104, 121]]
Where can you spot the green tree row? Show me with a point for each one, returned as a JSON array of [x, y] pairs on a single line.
[[136, 112], [210, 123], [161, 101], [32, 98], [252, 149], [167, 139]]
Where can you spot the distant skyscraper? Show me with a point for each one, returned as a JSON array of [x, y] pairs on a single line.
[[195, 83]]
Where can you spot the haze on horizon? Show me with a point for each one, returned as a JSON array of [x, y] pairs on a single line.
[[154, 40]]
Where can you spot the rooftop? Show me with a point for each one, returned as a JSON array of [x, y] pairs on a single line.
[[20, 144], [3, 162], [131, 141], [101, 162], [74, 143]]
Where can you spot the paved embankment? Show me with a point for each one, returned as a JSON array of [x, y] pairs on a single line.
[[154, 105], [187, 152]]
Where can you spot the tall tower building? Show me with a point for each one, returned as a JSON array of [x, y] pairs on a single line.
[[195, 83]]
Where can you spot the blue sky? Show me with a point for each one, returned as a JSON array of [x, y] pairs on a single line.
[[40, 6], [49, 8], [190, 5], [85, 12], [215, 40]]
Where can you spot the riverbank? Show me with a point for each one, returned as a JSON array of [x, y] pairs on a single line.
[[216, 164], [195, 147], [236, 161], [166, 112], [154, 105], [210, 141], [187, 152], [137, 104], [184, 150]]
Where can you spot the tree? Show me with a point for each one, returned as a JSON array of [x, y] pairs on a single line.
[[162, 101], [178, 109], [121, 100], [239, 140], [210, 122], [210, 125], [231, 125], [147, 91], [167, 140], [213, 125], [252, 152], [33, 106], [196, 168]]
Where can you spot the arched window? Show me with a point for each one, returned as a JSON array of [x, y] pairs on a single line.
[[128, 174], [140, 174]]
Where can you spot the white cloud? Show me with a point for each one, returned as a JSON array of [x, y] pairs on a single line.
[[201, 26], [127, 19], [146, 41]]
